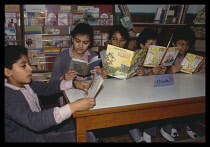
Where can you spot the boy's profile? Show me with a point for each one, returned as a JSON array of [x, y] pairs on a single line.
[[25, 121]]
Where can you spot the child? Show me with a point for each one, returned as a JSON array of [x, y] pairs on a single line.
[[146, 38], [118, 36], [184, 38], [82, 39], [24, 119]]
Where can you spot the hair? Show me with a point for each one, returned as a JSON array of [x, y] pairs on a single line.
[[83, 29], [186, 34], [12, 54], [122, 30], [146, 35]]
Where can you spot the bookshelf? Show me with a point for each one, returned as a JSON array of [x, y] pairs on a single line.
[[45, 30]]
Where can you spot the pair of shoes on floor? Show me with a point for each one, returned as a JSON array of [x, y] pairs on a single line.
[[174, 136], [145, 139]]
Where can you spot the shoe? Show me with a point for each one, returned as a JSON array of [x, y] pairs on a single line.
[[190, 132], [170, 137], [147, 137]]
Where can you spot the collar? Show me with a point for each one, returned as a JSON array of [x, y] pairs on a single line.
[[87, 53], [14, 87]]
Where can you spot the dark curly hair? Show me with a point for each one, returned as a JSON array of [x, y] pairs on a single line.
[[83, 29], [186, 34], [145, 35], [122, 30], [12, 54]]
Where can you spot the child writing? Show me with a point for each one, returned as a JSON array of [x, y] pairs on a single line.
[[146, 38], [185, 39], [24, 119]]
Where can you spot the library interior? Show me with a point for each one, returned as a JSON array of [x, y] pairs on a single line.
[[143, 64]]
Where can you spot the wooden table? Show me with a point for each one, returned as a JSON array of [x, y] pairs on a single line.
[[134, 100]]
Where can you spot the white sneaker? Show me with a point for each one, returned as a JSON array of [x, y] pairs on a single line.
[[169, 137], [190, 132], [147, 137]]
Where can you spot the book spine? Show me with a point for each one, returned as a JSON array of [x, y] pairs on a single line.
[[163, 56]]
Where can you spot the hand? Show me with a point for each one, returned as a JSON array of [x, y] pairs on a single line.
[[140, 71], [104, 73], [155, 70], [81, 85], [82, 104], [70, 74], [176, 68], [96, 69], [162, 70]]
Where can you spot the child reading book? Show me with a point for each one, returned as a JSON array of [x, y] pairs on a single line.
[[184, 38], [146, 38], [24, 120], [82, 39]]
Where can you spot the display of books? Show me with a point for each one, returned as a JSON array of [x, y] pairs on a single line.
[[95, 85], [191, 63], [82, 67], [160, 55], [123, 63]]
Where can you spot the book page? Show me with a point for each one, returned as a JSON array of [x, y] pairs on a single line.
[[78, 66], [154, 55], [190, 63], [170, 56], [95, 85]]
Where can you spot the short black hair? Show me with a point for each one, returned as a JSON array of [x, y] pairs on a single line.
[[186, 34], [83, 29], [12, 54], [123, 31], [145, 35]]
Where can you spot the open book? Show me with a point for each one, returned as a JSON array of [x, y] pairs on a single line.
[[94, 85], [123, 63], [191, 63], [82, 67], [160, 55]]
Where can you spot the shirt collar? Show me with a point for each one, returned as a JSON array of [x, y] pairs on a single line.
[[87, 53], [14, 87]]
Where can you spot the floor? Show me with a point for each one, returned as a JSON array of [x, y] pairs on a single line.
[[125, 138]]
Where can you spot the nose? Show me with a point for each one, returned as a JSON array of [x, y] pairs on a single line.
[[80, 44], [29, 68]]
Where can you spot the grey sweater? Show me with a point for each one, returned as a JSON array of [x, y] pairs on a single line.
[[23, 125]]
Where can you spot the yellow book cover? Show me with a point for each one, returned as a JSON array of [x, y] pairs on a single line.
[[191, 63], [122, 63]]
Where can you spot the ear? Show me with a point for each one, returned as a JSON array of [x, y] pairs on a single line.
[[141, 45], [7, 72]]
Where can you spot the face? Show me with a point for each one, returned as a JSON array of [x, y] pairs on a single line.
[[118, 40], [149, 42], [81, 44], [21, 72], [183, 44]]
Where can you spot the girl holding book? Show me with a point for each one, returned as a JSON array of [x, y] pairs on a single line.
[[184, 38]]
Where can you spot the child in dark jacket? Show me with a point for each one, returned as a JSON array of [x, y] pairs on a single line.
[[25, 121]]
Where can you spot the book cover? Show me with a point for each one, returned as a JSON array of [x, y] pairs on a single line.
[[122, 63], [67, 41], [47, 41], [91, 16], [62, 19], [32, 30], [50, 55], [56, 29], [160, 55], [51, 19], [10, 36], [77, 18], [82, 67], [191, 62], [95, 85]]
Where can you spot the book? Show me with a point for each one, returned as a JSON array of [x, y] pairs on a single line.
[[160, 55], [191, 63], [95, 85], [123, 63], [82, 67]]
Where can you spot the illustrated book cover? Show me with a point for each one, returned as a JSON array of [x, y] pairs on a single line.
[[82, 67], [160, 55], [122, 63], [191, 63], [95, 85]]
